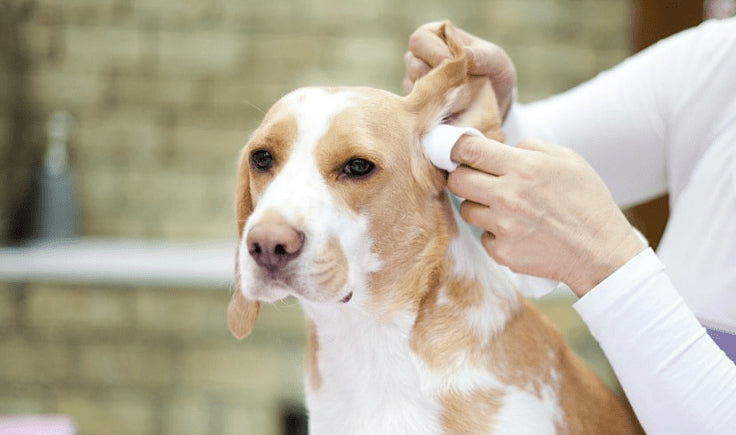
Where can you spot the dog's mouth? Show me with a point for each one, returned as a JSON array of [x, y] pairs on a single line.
[[347, 298]]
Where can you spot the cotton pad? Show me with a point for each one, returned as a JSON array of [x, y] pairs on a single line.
[[439, 141]]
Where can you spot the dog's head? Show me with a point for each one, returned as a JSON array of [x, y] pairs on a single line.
[[336, 202]]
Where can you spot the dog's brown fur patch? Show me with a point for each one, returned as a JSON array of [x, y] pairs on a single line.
[[276, 135], [470, 413]]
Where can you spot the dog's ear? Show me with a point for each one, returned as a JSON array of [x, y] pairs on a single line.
[[438, 96], [242, 312]]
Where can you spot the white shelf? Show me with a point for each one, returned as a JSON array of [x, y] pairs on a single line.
[[121, 262]]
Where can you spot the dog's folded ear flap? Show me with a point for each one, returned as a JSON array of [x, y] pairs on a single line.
[[242, 314], [447, 94]]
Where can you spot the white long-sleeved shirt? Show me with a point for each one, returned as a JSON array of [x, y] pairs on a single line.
[[663, 121]]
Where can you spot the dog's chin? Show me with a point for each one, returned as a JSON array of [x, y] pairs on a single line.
[[265, 289], [268, 295], [268, 288], [346, 298]]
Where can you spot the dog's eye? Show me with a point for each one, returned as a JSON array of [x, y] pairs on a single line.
[[358, 168], [262, 160]]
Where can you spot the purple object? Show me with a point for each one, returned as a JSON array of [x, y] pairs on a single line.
[[726, 341]]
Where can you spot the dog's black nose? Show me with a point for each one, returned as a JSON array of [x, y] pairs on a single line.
[[273, 245]]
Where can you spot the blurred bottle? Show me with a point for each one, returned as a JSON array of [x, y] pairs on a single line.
[[56, 213]]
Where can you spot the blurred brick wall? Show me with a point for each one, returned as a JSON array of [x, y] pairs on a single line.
[[165, 93], [146, 361]]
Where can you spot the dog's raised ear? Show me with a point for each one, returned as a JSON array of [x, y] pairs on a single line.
[[439, 96], [242, 312]]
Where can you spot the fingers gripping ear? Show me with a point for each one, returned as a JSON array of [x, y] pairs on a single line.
[[449, 94], [242, 314], [475, 104], [432, 95]]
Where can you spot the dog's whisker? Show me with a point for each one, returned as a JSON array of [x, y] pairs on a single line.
[[323, 284], [263, 112], [290, 303], [323, 276], [326, 273], [324, 280], [322, 271], [324, 261]]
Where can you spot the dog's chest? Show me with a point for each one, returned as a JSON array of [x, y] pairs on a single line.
[[370, 383]]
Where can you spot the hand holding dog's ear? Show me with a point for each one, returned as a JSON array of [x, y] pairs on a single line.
[[427, 50], [546, 212]]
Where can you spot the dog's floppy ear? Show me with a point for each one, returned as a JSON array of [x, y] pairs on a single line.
[[242, 312], [437, 96]]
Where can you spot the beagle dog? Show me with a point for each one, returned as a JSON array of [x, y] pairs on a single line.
[[413, 328]]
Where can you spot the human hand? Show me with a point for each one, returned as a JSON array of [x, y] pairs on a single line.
[[544, 210], [427, 50]]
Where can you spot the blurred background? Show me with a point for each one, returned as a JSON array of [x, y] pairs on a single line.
[[120, 126]]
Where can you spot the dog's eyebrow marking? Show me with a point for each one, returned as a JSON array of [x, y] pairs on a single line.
[[314, 110]]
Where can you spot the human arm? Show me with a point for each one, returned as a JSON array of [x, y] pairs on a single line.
[[674, 375]]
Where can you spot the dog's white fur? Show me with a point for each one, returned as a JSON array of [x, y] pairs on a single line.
[[406, 337]]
